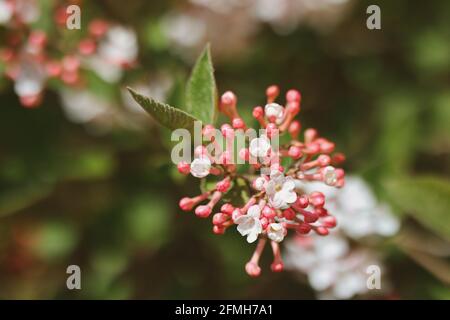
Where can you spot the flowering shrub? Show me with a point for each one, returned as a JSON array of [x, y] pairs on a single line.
[[270, 178], [33, 56]]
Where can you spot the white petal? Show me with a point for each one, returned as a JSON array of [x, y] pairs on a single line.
[[246, 227], [254, 211], [289, 184], [252, 236]]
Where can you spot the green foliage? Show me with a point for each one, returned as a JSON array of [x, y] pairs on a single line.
[[426, 198], [166, 115], [201, 95], [55, 240]]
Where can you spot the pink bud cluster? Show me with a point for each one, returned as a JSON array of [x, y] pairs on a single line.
[[276, 201], [32, 57]]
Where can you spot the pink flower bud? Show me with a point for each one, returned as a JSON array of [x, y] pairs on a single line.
[[238, 123], [271, 130], [295, 152], [208, 131], [268, 212], [183, 167], [252, 269], [277, 266], [302, 201], [226, 158], [323, 160], [329, 222], [87, 47], [200, 151], [327, 147], [304, 228], [203, 211], [227, 208], [31, 101], [228, 99], [322, 231], [294, 129], [289, 214], [321, 211], [339, 172], [53, 68], [264, 222], [317, 199], [338, 158], [293, 95], [186, 204], [37, 39], [98, 28], [223, 185], [71, 63], [310, 135], [310, 217], [70, 77], [218, 230], [313, 148], [244, 154], [227, 131], [219, 218], [272, 92], [293, 107], [258, 112]]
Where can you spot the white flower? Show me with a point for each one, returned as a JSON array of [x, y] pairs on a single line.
[[104, 69], [200, 167], [183, 30], [276, 232], [259, 183], [249, 224], [329, 175], [31, 78], [356, 208], [332, 269], [281, 190], [81, 106], [259, 146], [27, 10], [119, 46], [6, 11], [274, 110]]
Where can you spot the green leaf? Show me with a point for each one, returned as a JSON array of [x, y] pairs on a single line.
[[201, 95], [166, 115], [427, 198]]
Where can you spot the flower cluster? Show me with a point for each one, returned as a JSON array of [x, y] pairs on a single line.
[[271, 179], [32, 56], [335, 267]]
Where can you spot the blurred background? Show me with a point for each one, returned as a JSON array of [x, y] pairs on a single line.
[[86, 176]]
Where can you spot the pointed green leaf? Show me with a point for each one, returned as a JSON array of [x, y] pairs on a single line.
[[166, 115], [201, 93], [427, 198]]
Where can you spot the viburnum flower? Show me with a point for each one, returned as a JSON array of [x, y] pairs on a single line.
[[249, 224], [33, 58], [335, 267], [276, 232], [280, 190], [271, 189], [200, 167], [259, 147]]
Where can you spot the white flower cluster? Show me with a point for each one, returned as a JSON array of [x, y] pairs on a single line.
[[333, 268]]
